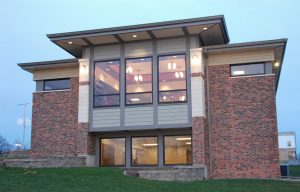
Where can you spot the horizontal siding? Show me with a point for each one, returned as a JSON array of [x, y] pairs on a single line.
[[107, 52], [106, 118], [55, 73], [171, 45], [83, 104], [235, 57], [138, 49], [172, 114], [198, 98], [138, 116]]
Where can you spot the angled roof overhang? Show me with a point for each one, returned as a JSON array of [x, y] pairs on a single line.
[[211, 30], [278, 45], [30, 67]]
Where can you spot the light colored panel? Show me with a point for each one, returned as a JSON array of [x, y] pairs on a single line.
[[138, 49], [197, 60], [193, 42], [83, 104], [171, 45], [245, 56], [55, 73], [198, 97], [106, 117], [284, 139], [172, 114], [138, 116], [84, 65], [106, 52], [86, 53]]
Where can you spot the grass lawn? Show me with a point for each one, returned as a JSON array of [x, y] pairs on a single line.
[[112, 179]]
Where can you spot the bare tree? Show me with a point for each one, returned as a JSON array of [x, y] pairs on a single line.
[[4, 144]]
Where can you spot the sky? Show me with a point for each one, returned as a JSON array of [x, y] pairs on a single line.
[[24, 25]]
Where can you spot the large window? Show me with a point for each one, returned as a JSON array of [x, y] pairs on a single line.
[[247, 69], [177, 150], [139, 81], [172, 78], [107, 83], [57, 84], [144, 151], [112, 152]]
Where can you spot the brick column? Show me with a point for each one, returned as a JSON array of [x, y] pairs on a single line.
[[198, 131]]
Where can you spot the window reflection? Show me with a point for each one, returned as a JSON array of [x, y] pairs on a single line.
[[172, 78], [107, 83], [144, 151], [139, 81], [178, 150], [112, 152]]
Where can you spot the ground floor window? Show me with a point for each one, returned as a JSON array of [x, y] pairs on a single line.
[[177, 150], [112, 152], [144, 151]]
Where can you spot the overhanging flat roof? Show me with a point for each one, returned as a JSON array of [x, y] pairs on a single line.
[[211, 30], [279, 46], [30, 67]]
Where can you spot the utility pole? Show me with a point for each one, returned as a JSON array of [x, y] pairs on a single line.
[[24, 122]]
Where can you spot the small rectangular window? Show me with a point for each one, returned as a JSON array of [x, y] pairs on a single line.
[[247, 69], [289, 143], [57, 84], [144, 151], [107, 83], [112, 152], [139, 81], [172, 78]]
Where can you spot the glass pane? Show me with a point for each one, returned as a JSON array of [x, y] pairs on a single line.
[[113, 151], [107, 77], [178, 149], [57, 84], [172, 96], [138, 98], [139, 75], [248, 69], [172, 75], [109, 100], [144, 151]]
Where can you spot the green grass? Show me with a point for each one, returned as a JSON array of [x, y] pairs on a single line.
[[294, 170], [112, 180]]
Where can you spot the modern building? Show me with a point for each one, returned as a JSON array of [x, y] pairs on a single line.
[[161, 95], [287, 146]]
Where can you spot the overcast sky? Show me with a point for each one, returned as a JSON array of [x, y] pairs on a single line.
[[24, 25]]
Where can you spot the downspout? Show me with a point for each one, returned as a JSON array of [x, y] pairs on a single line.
[[208, 117]]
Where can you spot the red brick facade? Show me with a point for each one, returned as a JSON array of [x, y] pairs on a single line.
[[55, 128], [243, 125]]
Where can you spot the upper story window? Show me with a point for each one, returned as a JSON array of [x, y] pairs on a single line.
[[57, 84], [289, 143], [172, 78], [139, 81], [107, 83], [247, 69]]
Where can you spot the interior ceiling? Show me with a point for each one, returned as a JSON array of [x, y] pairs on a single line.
[[210, 34]]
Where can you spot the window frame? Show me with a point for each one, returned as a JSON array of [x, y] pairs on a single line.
[[44, 84], [157, 152], [174, 90], [164, 153], [241, 64], [94, 79], [139, 92], [100, 151]]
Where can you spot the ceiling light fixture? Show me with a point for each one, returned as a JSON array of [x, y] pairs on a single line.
[[276, 64], [169, 65], [134, 99], [134, 36], [140, 78], [177, 75], [129, 69], [181, 74], [70, 42], [183, 139], [149, 144], [204, 28], [107, 69], [188, 143], [164, 97], [174, 66]]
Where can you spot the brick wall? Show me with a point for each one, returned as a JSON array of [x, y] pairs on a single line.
[[243, 125], [55, 128]]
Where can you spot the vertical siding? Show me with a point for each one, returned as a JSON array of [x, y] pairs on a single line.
[[107, 52], [138, 116], [172, 114], [138, 49], [171, 45], [106, 118], [83, 103]]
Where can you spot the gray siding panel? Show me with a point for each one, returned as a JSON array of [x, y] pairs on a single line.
[[138, 116], [171, 114], [106, 117]]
